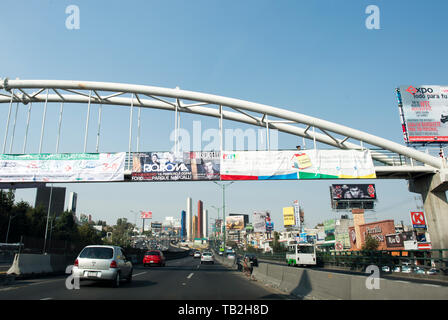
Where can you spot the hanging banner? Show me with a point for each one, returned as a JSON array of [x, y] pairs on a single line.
[[65, 167], [293, 165], [425, 113], [170, 166]]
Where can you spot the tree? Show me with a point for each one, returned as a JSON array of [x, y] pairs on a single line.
[[371, 244]]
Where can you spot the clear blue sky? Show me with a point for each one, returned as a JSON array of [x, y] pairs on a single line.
[[313, 57]]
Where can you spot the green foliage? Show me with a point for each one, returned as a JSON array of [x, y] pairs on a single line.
[[122, 232], [371, 244]]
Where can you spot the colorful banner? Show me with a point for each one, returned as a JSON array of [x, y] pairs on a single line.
[[293, 165], [170, 166], [425, 113], [289, 217], [65, 167], [235, 223]]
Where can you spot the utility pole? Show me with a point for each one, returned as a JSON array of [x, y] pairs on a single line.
[[223, 186]]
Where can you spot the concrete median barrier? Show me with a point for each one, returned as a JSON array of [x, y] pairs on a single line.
[[307, 283], [28, 264]]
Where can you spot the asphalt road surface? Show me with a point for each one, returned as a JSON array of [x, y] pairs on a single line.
[[180, 279]]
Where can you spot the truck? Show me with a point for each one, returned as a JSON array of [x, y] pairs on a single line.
[[301, 254]]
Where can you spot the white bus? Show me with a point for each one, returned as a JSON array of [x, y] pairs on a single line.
[[301, 254]]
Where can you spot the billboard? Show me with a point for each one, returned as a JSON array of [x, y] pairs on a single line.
[[259, 222], [329, 228], [289, 217], [353, 192], [424, 113], [246, 217], [146, 215], [394, 240], [294, 165], [234, 222], [64, 167], [156, 225], [418, 220], [170, 166], [269, 223]]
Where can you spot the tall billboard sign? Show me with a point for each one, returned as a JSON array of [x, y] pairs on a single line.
[[288, 217], [259, 222], [424, 113], [418, 220]]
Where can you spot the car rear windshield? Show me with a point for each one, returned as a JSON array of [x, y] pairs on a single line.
[[152, 253], [207, 254], [97, 253]]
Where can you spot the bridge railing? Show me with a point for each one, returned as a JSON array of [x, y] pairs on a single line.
[[392, 159]]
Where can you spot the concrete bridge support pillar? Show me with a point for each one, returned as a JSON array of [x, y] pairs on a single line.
[[433, 190]]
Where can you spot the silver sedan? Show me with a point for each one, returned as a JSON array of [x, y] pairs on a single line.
[[100, 262]]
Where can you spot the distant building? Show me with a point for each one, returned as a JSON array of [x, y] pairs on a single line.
[[57, 199], [72, 201]]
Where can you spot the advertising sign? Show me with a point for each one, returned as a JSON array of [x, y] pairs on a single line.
[[329, 228], [259, 222], [288, 217], [353, 191], [234, 222], [425, 112], [170, 166], [146, 215], [269, 223], [303, 237], [65, 167], [156, 225], [294, 165], [394, 240], [418, 219]]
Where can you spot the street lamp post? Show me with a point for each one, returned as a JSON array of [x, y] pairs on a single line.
[[9, 224], [223, 186]]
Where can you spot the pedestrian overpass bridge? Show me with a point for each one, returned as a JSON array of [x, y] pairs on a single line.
[[427, 174]]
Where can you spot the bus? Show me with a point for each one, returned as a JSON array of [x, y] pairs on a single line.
[[301, 254]]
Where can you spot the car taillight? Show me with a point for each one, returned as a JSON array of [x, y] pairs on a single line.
[[113, 264], [76, 263]]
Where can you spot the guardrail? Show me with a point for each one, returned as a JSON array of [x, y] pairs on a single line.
[[424, 259], [358, 260]]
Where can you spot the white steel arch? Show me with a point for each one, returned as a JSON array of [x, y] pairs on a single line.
[[68, 91]]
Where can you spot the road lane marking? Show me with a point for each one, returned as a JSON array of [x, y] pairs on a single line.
[[432, 285], [47, 299], [134, 275], [190, 275]]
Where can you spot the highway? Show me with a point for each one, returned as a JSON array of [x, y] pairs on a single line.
[[180, 279]]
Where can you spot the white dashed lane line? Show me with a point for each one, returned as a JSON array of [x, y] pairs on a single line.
[[190, 275]]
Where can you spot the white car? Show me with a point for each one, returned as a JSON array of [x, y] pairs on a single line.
[[231, 255], [197, 254], [207, 257], [105, 263]]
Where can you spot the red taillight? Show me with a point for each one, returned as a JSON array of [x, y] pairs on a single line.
[[113, 264], [76, 263]]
